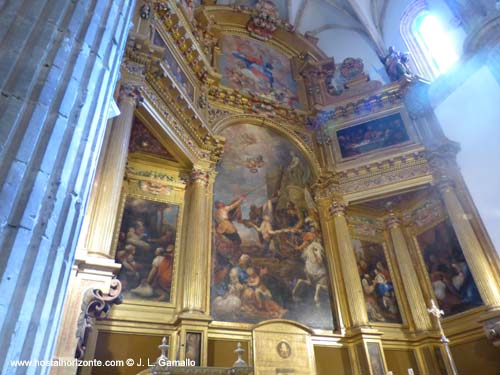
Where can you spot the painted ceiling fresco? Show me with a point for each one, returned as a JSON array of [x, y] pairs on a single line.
[[268, 256]]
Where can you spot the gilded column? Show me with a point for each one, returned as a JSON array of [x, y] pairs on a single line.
[[477, 262], [442, 160], [353, 287], [107, 197], [328, 230], [416, 299], [196, 244]]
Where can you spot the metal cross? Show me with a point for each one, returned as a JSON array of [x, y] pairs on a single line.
[[438, 313]]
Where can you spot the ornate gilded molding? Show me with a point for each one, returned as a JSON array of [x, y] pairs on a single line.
[[365, 226], [392, 221], [264, 20], [374, 175], [217, 114], [337, 207], [254, 105], [425, 213], [95, 306], [199, 175], [387, 96], [133, 173], [132, 92], [443, 165], [189, 141], [172, 20]]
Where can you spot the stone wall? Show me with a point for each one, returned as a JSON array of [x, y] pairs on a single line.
[[59, 64]]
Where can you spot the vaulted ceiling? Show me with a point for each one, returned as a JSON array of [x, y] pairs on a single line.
[[366, 17]]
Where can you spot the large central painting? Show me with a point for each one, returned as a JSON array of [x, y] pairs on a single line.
[[268, 256], [254, 68]]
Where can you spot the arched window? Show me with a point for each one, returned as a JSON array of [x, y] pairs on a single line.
[[431, 43]]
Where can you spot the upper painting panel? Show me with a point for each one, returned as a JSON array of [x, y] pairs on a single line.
[[254, 68], [372, 136]]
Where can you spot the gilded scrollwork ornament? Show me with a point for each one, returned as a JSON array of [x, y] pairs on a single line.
[[95, 306]]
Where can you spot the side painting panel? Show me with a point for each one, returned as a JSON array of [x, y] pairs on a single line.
[[146, 248], [450, 276], [255, 68], [268, 257], [376, 279]]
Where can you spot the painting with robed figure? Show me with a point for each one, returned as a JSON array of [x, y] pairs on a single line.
[[146, 248]]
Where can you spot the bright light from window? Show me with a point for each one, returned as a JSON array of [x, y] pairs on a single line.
[[438, 42]]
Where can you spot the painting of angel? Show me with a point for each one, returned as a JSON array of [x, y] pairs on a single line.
[[255, 68], [268, 256], [146, 248], [451, 279], [376, 279]]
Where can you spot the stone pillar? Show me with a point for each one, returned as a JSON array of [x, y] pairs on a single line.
[[106, 202], [442, 162], [60, 63], [411, 285], [94, 264], [350, 275], [196, 249]]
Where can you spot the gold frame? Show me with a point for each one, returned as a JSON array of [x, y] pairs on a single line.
[[130, 190], [402, 311]]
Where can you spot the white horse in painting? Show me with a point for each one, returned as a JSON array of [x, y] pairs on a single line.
[[315, 271]]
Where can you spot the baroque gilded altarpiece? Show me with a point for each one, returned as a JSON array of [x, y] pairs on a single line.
[[345, 190]]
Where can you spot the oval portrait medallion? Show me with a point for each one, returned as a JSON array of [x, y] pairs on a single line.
[[284, 350]]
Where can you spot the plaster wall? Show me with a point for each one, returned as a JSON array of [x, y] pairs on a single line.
[[470, 116]]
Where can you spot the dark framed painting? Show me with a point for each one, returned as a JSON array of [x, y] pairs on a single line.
[[372, 135], [450, 276], [376, 279], [268, 259], [173, 67], [146, 248], [193, 347]]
